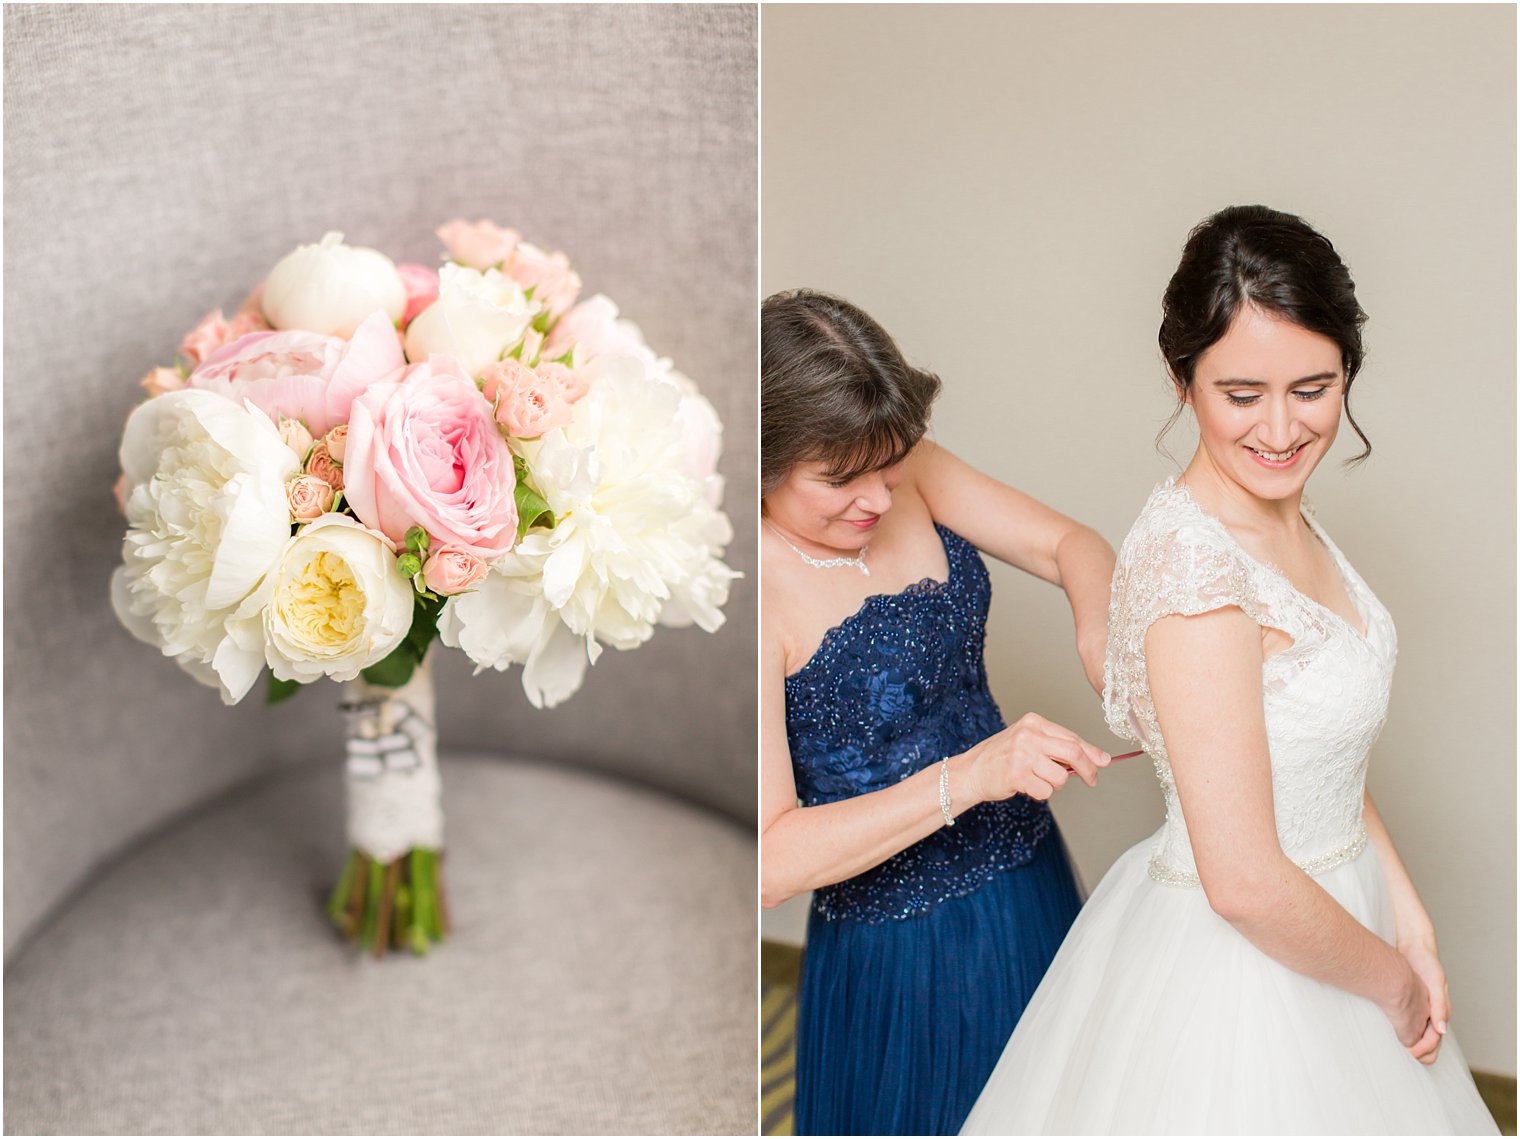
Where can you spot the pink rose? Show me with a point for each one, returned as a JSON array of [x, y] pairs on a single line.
[[424, 451], [421, 289], [336, 440], [205, 338], [322, 465], [450, 570], [253, 305], [244, 323], [215, 330], [572, 384], [592, 329], [555, 285], [161, 380], [309, 497], [303, 375], [479, 246], [525, 405], [295, 436]]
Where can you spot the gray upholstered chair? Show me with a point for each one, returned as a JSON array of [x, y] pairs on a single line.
[[168, 966]]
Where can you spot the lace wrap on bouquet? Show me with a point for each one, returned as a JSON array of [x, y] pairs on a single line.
[[391, 739], [1325, 696]]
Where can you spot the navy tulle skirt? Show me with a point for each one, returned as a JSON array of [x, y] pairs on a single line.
[[900, 1024]]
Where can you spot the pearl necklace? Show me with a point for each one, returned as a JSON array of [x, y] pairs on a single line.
[[858, 561]]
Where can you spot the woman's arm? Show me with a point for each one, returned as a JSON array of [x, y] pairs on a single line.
[[1014, 528], [802, 848], [1414, 933], [1205, 681]]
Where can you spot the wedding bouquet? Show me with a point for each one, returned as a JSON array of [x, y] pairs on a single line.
[[368, 455]]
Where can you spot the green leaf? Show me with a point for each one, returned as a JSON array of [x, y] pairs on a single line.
[[397, 668], [531, 507], [542, 321], [281, 689]]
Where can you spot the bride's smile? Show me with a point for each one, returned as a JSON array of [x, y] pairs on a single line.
[[1267, 399]]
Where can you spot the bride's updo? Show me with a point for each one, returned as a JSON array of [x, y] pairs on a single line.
[[1252, 255], [834, 389]]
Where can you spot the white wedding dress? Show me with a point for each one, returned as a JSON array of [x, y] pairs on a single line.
[[1157, 1016]]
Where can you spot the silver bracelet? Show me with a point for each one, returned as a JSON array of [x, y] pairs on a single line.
[[944, 791]]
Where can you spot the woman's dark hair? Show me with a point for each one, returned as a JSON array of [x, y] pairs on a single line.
[[1252, 255], [834, 389]]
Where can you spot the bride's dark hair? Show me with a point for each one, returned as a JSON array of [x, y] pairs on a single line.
[[1252, 255], [834, 389]]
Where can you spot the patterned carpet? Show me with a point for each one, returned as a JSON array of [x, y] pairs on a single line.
[[778, 1034], [778, 1028]]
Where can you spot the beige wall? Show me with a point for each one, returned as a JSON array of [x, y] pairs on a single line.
[[1007, 190]]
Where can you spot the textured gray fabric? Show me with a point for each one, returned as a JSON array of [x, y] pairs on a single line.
[[158, 160], [601, 978]]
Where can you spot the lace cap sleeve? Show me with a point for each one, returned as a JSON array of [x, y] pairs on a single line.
[[1176, 561]]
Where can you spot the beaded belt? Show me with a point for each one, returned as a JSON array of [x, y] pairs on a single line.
[[1170, 876]]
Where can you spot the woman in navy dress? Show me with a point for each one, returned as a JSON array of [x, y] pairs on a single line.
[[891, 786]]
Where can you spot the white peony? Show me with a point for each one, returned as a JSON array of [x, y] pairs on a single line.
[[477, 317], [636, 542], [331, 287], [205, 503], [334, 604]]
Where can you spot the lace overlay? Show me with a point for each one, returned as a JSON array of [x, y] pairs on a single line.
[[892, 690], [1325, 696]]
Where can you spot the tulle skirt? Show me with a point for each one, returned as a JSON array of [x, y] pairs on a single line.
[[1158, 1017], [900, 1023]]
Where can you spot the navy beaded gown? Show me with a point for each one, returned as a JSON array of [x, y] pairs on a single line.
[[917, 970]]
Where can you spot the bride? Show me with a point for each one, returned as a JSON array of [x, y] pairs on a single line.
[[1263, 964]]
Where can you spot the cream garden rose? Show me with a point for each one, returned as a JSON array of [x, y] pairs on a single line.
[[334, 604], [477, 317]]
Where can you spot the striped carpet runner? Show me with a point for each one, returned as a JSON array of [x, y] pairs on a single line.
[[778, 1039]]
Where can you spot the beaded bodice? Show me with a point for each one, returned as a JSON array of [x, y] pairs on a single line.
[[1325, 696], [892, 689]]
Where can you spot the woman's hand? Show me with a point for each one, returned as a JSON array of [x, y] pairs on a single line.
[[1408, 1010], [1426, 965], [1034, 757]]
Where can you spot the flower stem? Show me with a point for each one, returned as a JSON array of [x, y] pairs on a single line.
[[394, 904]]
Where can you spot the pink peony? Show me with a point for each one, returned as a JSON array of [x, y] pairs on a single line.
[[450, 570], [309, 497], [555, 285], [322, 465], [424, 451], [421, 289], [479, 246], [526, 405], [303, 375]]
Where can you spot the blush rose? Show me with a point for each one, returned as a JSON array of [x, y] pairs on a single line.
[[424, 451]]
